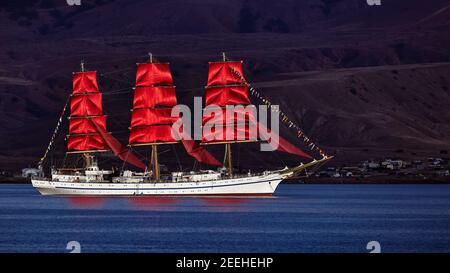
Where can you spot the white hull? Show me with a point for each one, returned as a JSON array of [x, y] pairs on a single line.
[[252, 185]]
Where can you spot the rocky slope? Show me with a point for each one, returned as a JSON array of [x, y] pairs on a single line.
[[362, 81]]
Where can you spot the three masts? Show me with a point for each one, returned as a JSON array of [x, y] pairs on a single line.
[[151, 126]]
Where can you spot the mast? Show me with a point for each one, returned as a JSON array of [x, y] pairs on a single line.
[[86, 115], [154, 98], [87, 123], [154, 160], [228, 158], [224, 89], [88, 159]]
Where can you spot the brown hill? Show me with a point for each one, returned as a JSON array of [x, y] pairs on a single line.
[[362, 81]]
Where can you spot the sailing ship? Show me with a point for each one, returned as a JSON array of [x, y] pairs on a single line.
[[150, 128]]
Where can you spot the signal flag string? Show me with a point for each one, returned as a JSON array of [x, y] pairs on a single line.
[[284, 118], [49, 147]]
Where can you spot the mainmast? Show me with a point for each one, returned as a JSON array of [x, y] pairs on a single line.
[[228, 158], [154, 157], [86, 114], [224, 89], [151, 120], [88, 159]]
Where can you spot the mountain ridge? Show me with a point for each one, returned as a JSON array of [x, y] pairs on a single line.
[[362, 87]]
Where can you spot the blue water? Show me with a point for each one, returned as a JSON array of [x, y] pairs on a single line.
[[301, 218]]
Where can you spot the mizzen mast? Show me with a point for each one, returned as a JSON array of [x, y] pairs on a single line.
[[86, 114]]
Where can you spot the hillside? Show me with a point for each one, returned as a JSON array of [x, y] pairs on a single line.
[[362, 81]]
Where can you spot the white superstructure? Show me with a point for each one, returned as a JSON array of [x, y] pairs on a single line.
[[209, 183]]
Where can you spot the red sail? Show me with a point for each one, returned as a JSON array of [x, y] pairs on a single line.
[[152, 116], [239, 116], [220, 73], [195, 150], [151, 134], [200, 153], [117, 148], [86, 125], [226, 95], [154, 97], [283, 144], [226, 88], [223, 134], [150, 74], [86, 143], [86, 103], [220, 128], [145, 97], [151, 121], [85, 82]]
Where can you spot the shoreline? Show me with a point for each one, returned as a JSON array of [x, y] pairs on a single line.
[[370, 180]]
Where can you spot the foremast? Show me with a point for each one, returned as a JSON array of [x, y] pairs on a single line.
[[227, 86], [225, 89]]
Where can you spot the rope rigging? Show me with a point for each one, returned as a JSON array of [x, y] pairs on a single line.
[[55, 132], [284, 118], [129, 89]]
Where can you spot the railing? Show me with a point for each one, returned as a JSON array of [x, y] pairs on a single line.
[[147, 179]]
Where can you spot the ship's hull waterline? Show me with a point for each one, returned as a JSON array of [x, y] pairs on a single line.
[[264, 185]]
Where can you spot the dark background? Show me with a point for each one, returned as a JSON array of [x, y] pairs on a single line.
[[362, 81]]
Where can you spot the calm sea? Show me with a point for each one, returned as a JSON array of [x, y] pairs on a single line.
[[300, 218]]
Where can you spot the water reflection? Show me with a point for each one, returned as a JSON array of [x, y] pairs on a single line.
[[165, 203], [225, 204], [86, 202], [152, 202]]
